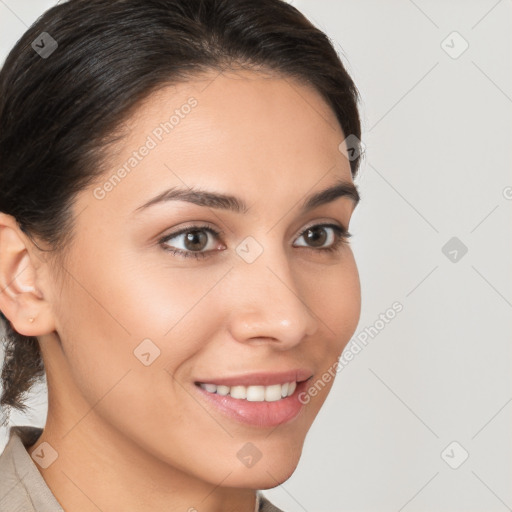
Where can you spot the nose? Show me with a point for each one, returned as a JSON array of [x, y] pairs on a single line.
[[268, 306]]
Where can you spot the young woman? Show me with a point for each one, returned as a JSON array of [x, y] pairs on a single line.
[[176, 190]]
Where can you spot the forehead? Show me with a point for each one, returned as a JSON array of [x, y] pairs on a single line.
[[244, 130]]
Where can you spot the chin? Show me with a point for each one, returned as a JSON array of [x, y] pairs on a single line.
[[265, 476], [270, 483], [261, 481]]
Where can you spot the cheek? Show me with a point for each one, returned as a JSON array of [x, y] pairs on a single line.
[[123, 318], [336, 299], [117, 308], [349, 294]]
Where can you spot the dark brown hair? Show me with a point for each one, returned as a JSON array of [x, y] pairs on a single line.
[[60, 112]]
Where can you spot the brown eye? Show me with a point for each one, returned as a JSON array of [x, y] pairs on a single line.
[[194, 241], [317, 236]]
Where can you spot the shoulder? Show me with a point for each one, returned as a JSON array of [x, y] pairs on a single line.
[[22, 487], [265, 505]]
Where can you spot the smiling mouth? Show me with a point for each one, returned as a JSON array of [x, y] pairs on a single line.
[[254, 393], [257, 405]]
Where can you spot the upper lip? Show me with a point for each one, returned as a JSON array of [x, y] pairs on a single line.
[[261, 378]]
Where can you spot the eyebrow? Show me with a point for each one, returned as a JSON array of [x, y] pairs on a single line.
[[216, 200]]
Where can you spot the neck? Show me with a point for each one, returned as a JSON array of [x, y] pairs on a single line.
[[98, 468]]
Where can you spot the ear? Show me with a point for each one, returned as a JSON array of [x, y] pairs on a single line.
[[21, 271]]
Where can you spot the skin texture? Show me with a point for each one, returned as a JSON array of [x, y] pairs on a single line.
[[134, 437]]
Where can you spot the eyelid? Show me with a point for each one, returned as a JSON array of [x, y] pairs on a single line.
[[324, 223], [191, 227], [220, 233]]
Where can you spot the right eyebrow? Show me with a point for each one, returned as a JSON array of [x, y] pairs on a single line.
[[341, 188]]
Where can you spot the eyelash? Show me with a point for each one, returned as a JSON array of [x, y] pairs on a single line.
[[341, 234]]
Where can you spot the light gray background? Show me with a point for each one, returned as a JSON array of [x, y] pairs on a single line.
[[438, 133]]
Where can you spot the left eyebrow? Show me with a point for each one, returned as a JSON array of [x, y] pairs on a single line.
[[342, 188], [208, 199]]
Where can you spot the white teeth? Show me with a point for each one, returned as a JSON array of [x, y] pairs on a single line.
[[210, 387], [273, 393], [253, 393], [222, 390], [238, 392]]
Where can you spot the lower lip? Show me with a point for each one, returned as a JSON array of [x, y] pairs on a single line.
[[259, 414]]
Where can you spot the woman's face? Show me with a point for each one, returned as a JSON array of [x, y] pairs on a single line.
[[138, 325]]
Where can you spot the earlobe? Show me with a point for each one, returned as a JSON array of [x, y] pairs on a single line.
[[21, 301]]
